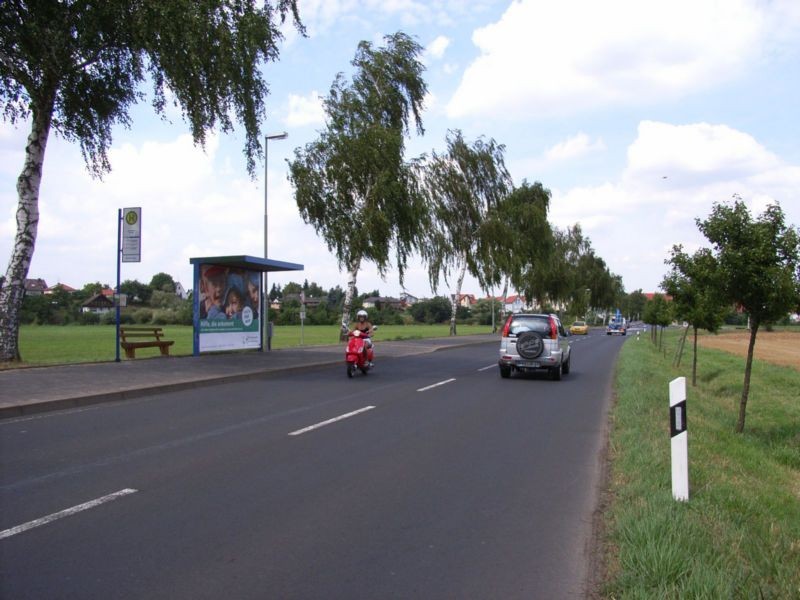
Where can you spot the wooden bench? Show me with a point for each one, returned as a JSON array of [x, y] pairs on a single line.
[[153, 335]]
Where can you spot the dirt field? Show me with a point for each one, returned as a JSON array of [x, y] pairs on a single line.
[[779, 347]]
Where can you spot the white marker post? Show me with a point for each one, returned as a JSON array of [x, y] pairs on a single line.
[[680, 450]]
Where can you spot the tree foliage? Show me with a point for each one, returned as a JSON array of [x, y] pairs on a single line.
[[76, 68], [463, 186], [693, 282], [758, 263], [353, 183]]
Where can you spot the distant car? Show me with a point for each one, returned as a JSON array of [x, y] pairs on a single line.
[[534, 342], [579, 328], [616, 328]]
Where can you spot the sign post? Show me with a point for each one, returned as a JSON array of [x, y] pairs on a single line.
[[129, 248], [679, 434], [302, 315]]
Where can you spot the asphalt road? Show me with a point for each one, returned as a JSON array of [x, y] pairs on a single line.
[[479, 487]]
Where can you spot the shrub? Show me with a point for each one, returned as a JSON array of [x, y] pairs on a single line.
[[89, 318], [142, 316]]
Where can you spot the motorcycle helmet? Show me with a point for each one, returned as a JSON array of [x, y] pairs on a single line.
[[361, 313]]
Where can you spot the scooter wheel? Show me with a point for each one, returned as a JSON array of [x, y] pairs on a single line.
[[351, 368], [364, 370]]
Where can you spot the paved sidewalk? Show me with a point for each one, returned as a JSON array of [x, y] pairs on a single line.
[[38, 389]]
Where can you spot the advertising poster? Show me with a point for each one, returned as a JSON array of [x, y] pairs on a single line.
[[229, 309]]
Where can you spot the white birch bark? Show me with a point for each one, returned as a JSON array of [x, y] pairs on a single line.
[[503, 301], [349, 293], [12, 287], [454, 300]]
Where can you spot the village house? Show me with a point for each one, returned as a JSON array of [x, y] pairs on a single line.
[[98, 304]]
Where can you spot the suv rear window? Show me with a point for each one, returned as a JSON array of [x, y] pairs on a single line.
[[522, 324]]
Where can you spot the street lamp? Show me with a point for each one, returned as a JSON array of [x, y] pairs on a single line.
[[588, 297], [265, 317]]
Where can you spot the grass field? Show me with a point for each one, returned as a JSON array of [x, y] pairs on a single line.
[[739, 534], [52, 344]]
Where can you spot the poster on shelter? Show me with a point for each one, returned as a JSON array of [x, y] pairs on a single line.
[[229, 309]]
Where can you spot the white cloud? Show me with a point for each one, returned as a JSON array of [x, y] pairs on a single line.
[[574, 147], [437, 47], [674, 174], [544, 58], [691, 154], [305, 110]]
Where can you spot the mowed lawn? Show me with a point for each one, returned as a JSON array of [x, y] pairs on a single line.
[[52, 344]]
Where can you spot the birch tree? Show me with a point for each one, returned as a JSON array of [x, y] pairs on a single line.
[[75, 68], [462, 185], [519, 236], [353, 183]]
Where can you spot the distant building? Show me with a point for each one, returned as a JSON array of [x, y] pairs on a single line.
[[35, 287], [180, 291], [408, 299], [60, 286], [98, 304], [381, 302], [515, 304], [466, 300], [651, 295]]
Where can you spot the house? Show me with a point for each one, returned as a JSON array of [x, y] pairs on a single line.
[[466, 300], [515, 304], [651, 295], [35, 287], [98, 304], [381, 302], [309, 301], [180, 291], [408, 299], [60, 286]]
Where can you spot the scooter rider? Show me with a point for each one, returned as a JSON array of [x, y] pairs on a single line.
[[365, 327]]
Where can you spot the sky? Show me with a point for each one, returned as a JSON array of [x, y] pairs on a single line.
[[637, 116]]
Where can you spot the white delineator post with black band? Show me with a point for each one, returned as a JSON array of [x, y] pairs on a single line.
[[680, 449]]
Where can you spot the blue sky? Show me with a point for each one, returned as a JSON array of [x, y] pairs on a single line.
[[636, 115]]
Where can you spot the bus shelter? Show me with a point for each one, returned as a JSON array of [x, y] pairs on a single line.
[[230, 302]]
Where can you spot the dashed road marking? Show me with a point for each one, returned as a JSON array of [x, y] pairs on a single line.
[[67, 512], [436, 384], [329, 421]]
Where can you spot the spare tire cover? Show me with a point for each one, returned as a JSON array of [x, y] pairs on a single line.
[[530, 344]]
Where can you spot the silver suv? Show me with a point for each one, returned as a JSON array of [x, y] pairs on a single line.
[[533, 343]]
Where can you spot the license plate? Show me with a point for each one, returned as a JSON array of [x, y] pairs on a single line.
[[529, 363]]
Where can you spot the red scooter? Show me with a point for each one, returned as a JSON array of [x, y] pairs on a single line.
[[358, 355]]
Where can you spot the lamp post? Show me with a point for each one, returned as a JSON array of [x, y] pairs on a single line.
[[265, 316], [588, 297]]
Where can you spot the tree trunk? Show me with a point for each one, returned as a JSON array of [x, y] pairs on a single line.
[[694, 360], [503, 305], [454, 301], [681, 346], [12, 287], [747, 369], [349, 294]]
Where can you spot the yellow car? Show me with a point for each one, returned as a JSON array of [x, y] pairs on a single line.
[[579, 328]]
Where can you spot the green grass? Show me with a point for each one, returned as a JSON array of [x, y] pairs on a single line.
[[52, 344], [739, 534]]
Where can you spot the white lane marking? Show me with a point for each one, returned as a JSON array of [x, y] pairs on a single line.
[[492, 366], [68, 512], [329, 421], [436, 385]]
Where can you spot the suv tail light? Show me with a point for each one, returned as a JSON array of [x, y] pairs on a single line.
[[553, 329], [507, 326]]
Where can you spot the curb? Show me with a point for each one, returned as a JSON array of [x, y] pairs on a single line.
[[35, 408]]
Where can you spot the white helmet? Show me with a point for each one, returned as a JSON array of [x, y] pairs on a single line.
[[361, 313]]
